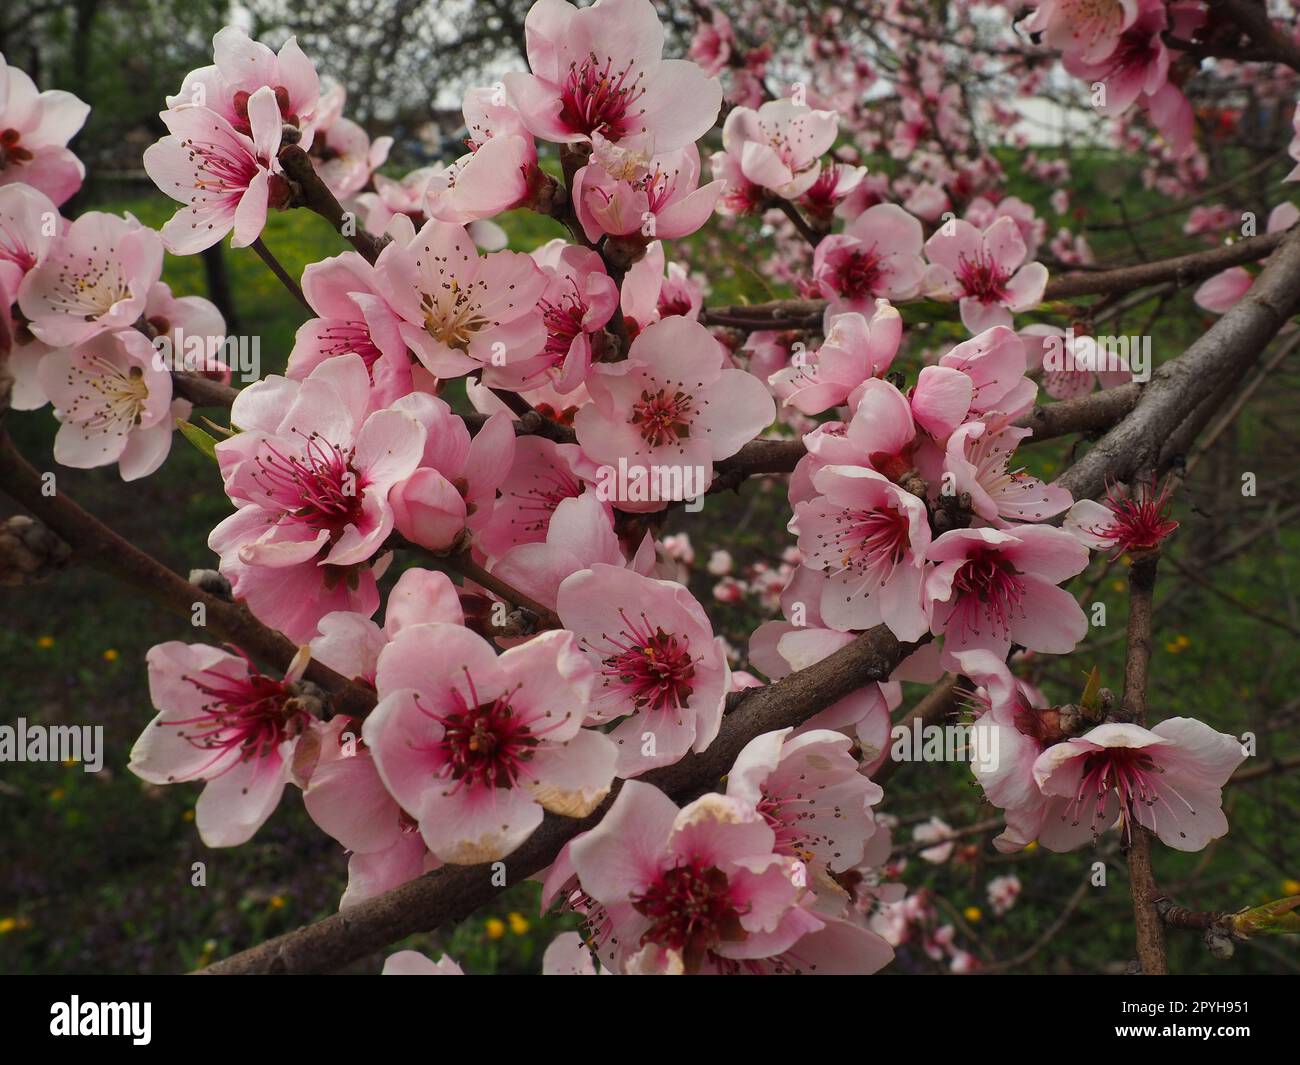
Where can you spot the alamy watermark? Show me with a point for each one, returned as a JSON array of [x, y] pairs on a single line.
[[974, 743], [21, 742], [79, 1018], [652, 484], [1099, 354], [196, 353]]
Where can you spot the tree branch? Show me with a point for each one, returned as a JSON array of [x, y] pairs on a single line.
[[1225, 350], [315, 195], [1181, 270], [95, 544], [1142, 881], [453, 892]]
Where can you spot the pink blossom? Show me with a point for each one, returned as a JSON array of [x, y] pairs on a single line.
[[226, 179], [244, 67], [927, 201], [578, 302], [740, 196], [455, 486], [870, 538], [936, 831], [1127, 520], [978, 462], [656, 659], [647, 295], [690, 890], [354, 317], [720, 563], [461, 311], [981, 213], [542, 476], [350, 643], [1072, 364], [990, 588], [809, 790], [113, 402], [856, 349], [413, 963], [29, 227], [568, 955], [1168, 779], [1224, 290], [599, 70], [659, 197], [877, 255], [1003, 892], [984, 271], [189, 332], [579, 535], [341, 150], [474, 745], [671, 406], [94, 279], [712, 44], [407, 197], [835, 184], [780, 145], [1086, 30], [311, 474], [223, 722], [35, 128], [498, 173]]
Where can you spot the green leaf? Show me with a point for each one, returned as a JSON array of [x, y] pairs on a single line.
[[196, 436], [1091, 689], [1278, 918]]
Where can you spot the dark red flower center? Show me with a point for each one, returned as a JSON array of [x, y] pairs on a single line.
[[655, 665], [12, 153], [690, 910], [983, 278], [858, 274], [597, 98], [248, 716], [663, 417], [988, 585], [485, 745], [320, 487]]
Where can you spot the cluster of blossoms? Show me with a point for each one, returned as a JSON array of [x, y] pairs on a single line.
[[493, 709]]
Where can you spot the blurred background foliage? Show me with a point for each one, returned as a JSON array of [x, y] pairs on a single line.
[[96, 870]]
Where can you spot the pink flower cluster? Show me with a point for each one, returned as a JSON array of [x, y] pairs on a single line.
[[574, 658]]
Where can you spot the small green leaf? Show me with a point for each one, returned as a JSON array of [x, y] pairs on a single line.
[[1281, 917], [1091, 689], [196, 436]]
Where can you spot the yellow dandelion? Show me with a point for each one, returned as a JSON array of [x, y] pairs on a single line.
[[518, 923], [1291, 887], [495, 927], [188, 815], [45, 642], [111, 655], [277, 902], [972, 914], [1117, 586], [7, 925]]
